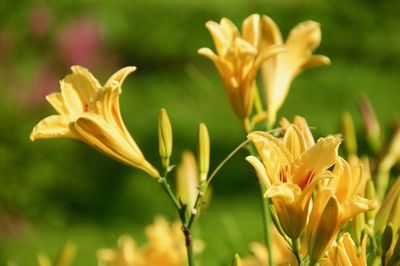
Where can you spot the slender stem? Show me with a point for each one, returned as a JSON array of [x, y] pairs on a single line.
[[266, 224], [196, 208], [181, 212], [221, 164], [296, 246], [189, 245], [266, 215], [167, 189]]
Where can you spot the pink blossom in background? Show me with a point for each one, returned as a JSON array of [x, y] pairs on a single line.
[[6, 43], [39, 21], [80, 43], [44, 82]]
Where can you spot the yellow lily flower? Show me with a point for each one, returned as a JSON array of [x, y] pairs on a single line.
[[165, 246], [290, 171], [90, 112], [238, 59], [335, 204], [279, 71], [345, 253], [127, 254]]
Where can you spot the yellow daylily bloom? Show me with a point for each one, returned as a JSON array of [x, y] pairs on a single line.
[[238, 59], [335, 204], [127, 254], [345, 253], [290, 171], [165, 246], [279, 71], [90, 112]]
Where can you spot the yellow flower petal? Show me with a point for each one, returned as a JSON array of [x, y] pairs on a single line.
[[294, 141], [57, 102], [279, 71], [95, 132], [251, 29], [55, 126], [260, 170], [270, 32], [120, 76], [319, 157], [322, 235]]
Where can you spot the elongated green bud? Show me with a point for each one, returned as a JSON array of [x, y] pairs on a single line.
[[236, 260], [386, 211], [67, 254], [164, 137], [43, 260], [371, 124], [358, 227], [349, 133], [370, 194], [203, 150]]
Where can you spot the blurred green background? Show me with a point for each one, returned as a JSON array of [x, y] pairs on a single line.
[[54, 190]]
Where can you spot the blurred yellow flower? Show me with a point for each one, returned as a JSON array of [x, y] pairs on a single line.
[[127, 254], [90, 112], [345, 253], [279, 71], [165, 246], [282, 253], [290, 170], [238, 59], [187, 180], [335, 204]]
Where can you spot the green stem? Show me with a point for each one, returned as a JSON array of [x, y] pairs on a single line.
[[167, 188], [296, 246], [189, 246], [227, 158], [266, 224], [266, 216], [182, 215]]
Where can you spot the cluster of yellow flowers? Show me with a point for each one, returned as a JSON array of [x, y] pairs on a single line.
[[165, 246], [314, 195]]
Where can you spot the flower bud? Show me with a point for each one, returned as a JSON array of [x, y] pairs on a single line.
[[371, 195], [236, 260], [349, 133], [43, 260], [387, 211], [358, 227], [203, 150], [371, 124], [187, 180], [164, 137]]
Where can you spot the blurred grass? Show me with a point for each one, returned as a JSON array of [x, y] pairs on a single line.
[[55, 190]]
